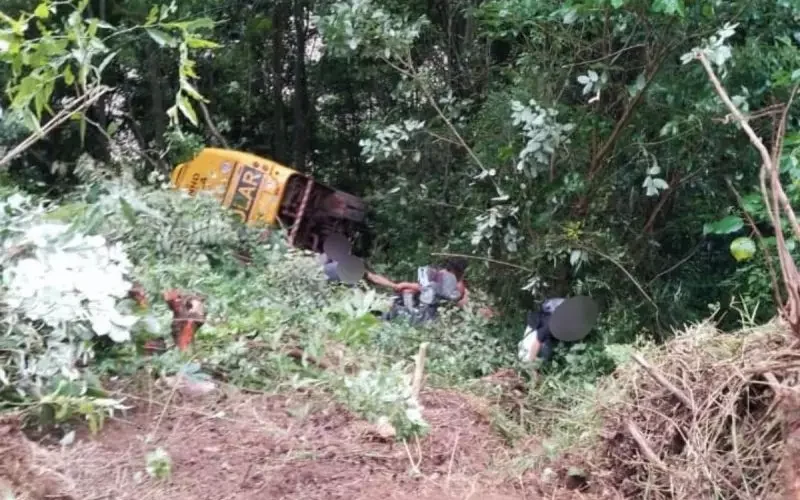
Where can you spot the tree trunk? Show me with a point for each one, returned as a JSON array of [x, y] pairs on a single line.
[[157, 111], [279, 21], [301, 126], [98, 146]]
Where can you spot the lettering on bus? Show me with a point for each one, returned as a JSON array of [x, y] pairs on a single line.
[[246, 190], [194, 181]]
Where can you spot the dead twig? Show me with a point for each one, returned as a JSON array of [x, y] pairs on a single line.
[[644, 447], [665, 383], [767, 111], [452, 458]]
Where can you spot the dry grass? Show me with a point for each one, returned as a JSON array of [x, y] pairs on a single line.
[[700, 419]]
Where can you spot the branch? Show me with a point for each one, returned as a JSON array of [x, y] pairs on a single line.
[[158, 163], [80, 104], [768, 111], [666, 384], [429, 96], [613, 55], [644, 447], [651, 221], [622, 268], [766, 158], [210, 125], [484, 259], [767, 257], [609, 143], [675, 266], [774, 198]]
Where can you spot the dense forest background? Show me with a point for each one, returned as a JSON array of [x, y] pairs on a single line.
[[566, 145], [586, 147]]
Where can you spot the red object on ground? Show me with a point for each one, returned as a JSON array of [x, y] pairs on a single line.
[[188, 316]]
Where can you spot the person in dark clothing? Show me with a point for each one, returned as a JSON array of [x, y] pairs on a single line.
[[539, 342], [445, 282], [420, 300]]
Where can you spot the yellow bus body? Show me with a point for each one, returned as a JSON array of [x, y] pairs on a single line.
[[251, 186]]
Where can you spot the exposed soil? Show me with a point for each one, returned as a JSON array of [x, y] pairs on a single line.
[[236, 446]]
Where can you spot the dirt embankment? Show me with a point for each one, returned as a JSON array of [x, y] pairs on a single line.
[[236, 446], [707, 416]]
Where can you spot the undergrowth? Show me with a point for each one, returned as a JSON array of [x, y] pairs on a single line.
[[259, 314], [273, 323]]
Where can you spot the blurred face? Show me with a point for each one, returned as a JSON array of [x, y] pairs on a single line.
[[455, 271], [447, 285]]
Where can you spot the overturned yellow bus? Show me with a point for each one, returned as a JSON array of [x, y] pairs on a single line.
[[263, 191]]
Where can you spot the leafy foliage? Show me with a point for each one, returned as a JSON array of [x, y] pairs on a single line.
[[387, 394], [569, 147]]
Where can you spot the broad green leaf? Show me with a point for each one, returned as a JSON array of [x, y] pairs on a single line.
[[161, 38], [38, 103], [189, 89], [48, 90], [152, 17], [752, 203], [743, 248], [31, 122], [197, 24], [617, 3], [92, 30], [729, 224], [186, 108], [199, 43], [83, 73], [187, 65], [42, 11], [69, 77], [112, 128], [23, 93], [96, 45], [164, 12]]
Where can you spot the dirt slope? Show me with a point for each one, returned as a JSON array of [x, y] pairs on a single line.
[[235, 446]]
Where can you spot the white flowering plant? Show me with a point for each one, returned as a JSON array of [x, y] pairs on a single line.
[[61, 290]]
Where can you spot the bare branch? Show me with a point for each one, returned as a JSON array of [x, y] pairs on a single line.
[[644, 447], [80, 104], [766, 157], [210, 124], [666, 384], [767, 257]]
